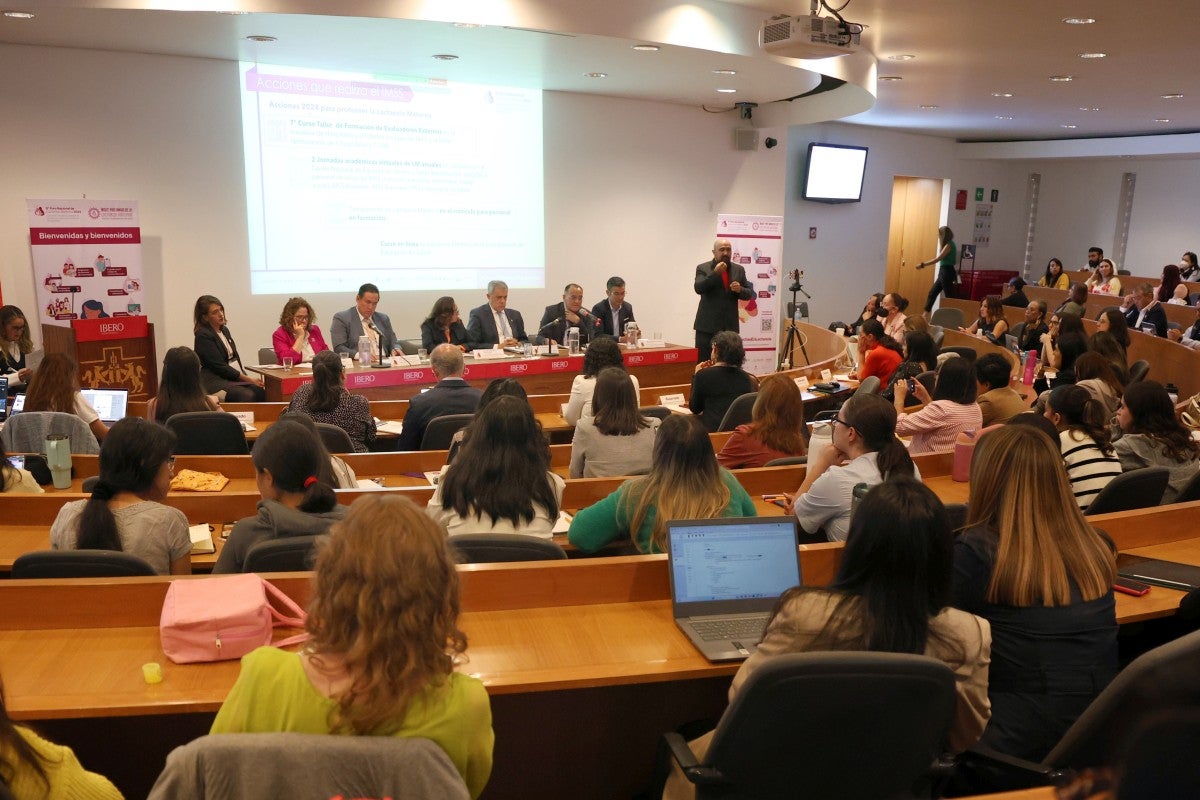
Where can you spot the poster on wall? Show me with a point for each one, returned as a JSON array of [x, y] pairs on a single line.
[[87, 259], [983, 224], [758, 246]]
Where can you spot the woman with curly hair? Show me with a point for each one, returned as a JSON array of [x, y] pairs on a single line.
[[443, 326], [775, 429], [1153, 437], [297, 336], [603, 352], [721, 380], [383, 646]]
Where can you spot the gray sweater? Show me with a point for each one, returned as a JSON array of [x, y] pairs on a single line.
[[594, 455], [274, 520], [1137, 450]]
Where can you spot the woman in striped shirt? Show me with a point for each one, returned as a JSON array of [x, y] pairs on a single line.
[[1087, 452], [950, 411]]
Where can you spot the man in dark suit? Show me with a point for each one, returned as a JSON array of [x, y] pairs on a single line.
[[1141, 309], [569, 313], [451, 395], [494, 322], [352, 323], [613, 312], [720, 284]]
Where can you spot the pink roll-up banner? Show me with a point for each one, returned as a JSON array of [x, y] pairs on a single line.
[[758, 246]]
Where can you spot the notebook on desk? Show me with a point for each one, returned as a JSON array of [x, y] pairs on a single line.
[[726, 575], [110, 404]]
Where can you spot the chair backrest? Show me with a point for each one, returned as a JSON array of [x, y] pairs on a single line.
[[336, 439], [1174, 326], [1167, 677], [927, 379], [1138, 488], [964, 352], [836, 724], [948, 318], [938, 334], [1017, 330], [660, 412], [208, 433], [791, 310], [285, 554], [740, 412], [490, 548], [79, 564], [1190, 490], [267, 355], [1138, 370], [408, 346], [228, 766], [26, 432], [441, 430], [869, 385]]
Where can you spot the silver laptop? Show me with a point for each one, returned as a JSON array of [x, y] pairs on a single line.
[[726, 575], [110, 404]]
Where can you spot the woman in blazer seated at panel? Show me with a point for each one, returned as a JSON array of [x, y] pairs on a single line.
[[617, 440], [500, 481], [892, 594], [685, 482], [443, 326], [221, 371], [297, 336]]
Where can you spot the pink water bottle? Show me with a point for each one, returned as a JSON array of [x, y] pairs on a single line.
[[1031, 360]]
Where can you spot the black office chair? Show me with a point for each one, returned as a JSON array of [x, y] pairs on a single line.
[[1138, 488], [208, 433], [408, 346], [826, 725], [441, 430], [956, 513], [266, 355], [869, 385], [1017, 330], [659, 412], [938, 334], [335, 439], [964, 352], [786, 460], [491, 548], [951, 318], [740, 412], [1190, 490], [284, 554], [791, 310], [79, 564], [1138, 370], [928, 379]]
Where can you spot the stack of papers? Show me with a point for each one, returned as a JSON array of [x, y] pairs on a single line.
[[201, 538]]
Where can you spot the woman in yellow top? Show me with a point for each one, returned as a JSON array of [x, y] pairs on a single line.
[[1104, 280], [383, 646], [1055, 278]]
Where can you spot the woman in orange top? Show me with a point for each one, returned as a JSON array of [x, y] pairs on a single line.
[[878, 353]]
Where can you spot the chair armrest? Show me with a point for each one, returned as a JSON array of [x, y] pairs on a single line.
[[683, 755], [1029, 773]]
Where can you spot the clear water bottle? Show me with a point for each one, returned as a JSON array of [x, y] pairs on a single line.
[[573, 341], [364, 350]]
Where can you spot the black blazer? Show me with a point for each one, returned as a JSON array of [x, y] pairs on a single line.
[[603, 312], [215, 371], [589, 326], [449, 396], [718, 308], [481, 326], [432, 337], [1154, 316]]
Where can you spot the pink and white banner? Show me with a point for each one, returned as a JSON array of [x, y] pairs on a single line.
[[758, 246], [87, 259]]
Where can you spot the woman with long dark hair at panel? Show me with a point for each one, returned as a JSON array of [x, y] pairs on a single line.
[[717, 385], [617, 440], [947, 275], [54, 386], [16, 344], [1152, 436], [126, 510], [1082, 423], [1055, 277], [179, 389], [443, 326], [384, 650], [775, 429], [1030, 564], [327, 400], [892, 594], [297, 336], [864, 436], [603, 352], [949, 411], [684, 482], [500, 481], [1167, 285], [288, 463], [221, 370]]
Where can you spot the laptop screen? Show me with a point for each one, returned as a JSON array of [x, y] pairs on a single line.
[[110, 404], [732, 560], [18, 403]]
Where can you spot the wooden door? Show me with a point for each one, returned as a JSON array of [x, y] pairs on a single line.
[[912, 237]]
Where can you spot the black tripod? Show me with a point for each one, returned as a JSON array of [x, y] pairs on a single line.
[[794, 337]]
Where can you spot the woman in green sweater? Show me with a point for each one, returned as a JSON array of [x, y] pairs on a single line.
[[685, 482]]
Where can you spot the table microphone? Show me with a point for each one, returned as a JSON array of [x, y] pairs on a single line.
[[379, 335]]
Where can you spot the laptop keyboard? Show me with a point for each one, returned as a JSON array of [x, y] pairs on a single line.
[[717, 629]]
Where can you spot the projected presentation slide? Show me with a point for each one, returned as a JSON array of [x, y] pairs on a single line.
[[409, 184]]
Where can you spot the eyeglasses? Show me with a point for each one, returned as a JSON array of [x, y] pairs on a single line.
[[842, 421], [171, 463]]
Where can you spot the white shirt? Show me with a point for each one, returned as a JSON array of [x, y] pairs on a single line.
[[826, 504]]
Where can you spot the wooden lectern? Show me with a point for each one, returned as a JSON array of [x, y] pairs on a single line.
[[112, 353]]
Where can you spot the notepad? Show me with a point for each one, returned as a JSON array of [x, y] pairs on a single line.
[[201, 538]]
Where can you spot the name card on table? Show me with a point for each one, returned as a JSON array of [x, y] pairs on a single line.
[[826, 375], [671, 400], [244, 417], [652, 343], [801, 382], [491, 354]]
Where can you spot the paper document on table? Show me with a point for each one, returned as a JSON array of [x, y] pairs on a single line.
[[562, 523], [390, 426], [201, 538]]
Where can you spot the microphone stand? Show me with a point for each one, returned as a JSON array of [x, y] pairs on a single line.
[[379, 365], [552, 322]]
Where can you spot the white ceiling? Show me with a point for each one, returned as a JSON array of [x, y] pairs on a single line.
[[965, 50]]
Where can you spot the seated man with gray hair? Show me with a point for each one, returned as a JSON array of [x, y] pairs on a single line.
[[451, 395]]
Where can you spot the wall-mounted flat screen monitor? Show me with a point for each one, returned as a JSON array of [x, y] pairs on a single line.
[[834, 173]]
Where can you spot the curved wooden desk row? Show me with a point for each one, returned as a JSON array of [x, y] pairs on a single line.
[[1184, 315]]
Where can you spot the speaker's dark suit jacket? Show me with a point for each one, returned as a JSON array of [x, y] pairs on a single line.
[[449, 396], [482, 325], [588, 327], [603, 312], [718, 308], [1154, 316]]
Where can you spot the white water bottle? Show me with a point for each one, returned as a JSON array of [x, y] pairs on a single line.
[[364, 350]]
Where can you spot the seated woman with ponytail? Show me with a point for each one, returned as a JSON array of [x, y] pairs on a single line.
[[125, 511], [288, 464], [1088, 454]]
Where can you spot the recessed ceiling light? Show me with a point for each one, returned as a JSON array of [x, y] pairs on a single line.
[[727, 91], [1172, 96], [724, 72], [261, 38], [1002, 116], [445, 57], [1002, 94], [646, 48], [595, 74], [889, 78], [1093, 55], [928, 108], [1162, 119], [1078, 20], [902, 57], [1062, 78], [1068, 126], [18, 14]]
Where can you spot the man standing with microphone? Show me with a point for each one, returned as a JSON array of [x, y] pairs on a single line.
[[568, 314], [720, 284]]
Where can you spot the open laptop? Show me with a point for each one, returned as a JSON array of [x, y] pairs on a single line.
[[110, 404], [726, 575]]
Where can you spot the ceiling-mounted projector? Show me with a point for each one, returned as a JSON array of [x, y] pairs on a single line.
[[809, 37]]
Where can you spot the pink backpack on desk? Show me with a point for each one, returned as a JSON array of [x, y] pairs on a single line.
[[224, 617]]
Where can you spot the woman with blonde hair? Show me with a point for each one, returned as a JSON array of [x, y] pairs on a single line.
[[775, 429], [297, 336], [1029, 563], [55, 387], [383, 646], [685, 482]]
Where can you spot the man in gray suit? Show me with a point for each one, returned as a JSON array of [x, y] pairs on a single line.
[[720, 284], [352, 323]]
